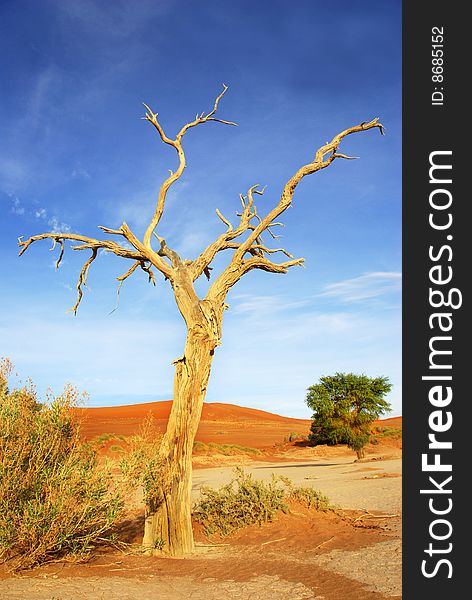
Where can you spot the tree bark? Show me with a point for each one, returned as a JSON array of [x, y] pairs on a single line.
[[168, 526]]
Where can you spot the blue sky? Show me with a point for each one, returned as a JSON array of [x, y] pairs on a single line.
[[75, 154]]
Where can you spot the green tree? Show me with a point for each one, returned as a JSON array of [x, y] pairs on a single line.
[[345, 405]]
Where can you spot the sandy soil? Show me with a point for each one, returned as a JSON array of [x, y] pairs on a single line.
[[351, 554], [220, 423], [374, 485]]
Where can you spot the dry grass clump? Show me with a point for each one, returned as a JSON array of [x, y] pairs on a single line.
[[245, 501], [310, 498], [55, 499], [241, 502], [225, 449]]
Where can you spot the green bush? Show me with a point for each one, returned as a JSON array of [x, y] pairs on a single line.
[[241, 502], [55, 499], [245, 501], [311, 498]]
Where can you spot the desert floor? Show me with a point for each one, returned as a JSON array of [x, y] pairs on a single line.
[[351, 554]]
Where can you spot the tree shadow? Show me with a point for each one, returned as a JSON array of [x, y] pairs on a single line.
[[130, 531], [297, 466], [304, 444]]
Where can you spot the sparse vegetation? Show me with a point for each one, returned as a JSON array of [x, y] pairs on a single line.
[[293, 437], [55, 499], [142, 465], [116, 448], [390, 432], [311, 498], [225, 449], [103, 438], [246, 501]]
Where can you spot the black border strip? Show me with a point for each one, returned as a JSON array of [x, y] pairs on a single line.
[[435, 124]]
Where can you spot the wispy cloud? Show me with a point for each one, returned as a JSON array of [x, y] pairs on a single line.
[[80, 173], [256, 305], [122, 21], [39, 102], [56, 225], [364, 287], [268, 359], [16, 207]]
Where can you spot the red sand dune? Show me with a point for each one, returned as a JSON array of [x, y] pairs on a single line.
[[396, 422], [220, 423]]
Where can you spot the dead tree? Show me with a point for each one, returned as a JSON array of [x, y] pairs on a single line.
[[168, 517]]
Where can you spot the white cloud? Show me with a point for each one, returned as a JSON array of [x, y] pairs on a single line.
[[80, 173], [364, 287], [58, 226], [191, 243], [53, 222], [256, 305], [16, 206]]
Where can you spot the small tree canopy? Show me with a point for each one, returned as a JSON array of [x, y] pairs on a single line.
[[345, 405]]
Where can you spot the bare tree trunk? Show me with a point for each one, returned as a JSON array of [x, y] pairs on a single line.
[[168, 525]]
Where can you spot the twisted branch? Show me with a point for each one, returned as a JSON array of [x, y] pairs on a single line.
[[88, 243], [223, 242], [83, 280], [121, 279], [253, 245], [177, 144]]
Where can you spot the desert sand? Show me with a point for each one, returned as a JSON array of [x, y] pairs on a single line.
[[220, 423], [351, 554]]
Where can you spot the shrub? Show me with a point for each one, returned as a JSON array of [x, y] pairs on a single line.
[[245, 501], [103, 438], [293, 437], [311, 498], [142, 465], [241, 502], [55, 498], [225, 449], [391, 432], [116, 448]]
